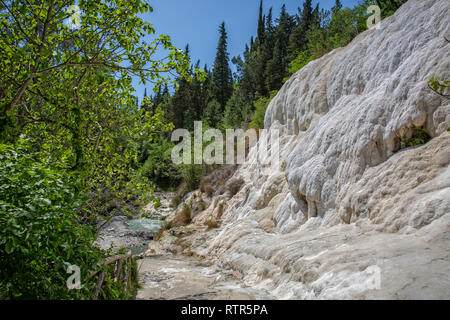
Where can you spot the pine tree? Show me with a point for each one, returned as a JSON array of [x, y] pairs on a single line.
[[145, 102], [181, 100], [237, 109], [165, 90], [222, 78], [337, 6], [298, 41], [247, 82], [269, 41], [277, 66], [158, 97], [213, 113], [261, 23], [194, 111]]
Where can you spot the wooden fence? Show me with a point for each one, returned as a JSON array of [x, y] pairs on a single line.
[[120, 261]]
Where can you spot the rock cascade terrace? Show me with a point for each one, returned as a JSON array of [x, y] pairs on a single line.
[[348, 202]]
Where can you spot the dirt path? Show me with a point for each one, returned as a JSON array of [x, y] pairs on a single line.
[[180, 278]]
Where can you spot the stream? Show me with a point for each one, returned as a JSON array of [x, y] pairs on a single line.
[[168, 277]]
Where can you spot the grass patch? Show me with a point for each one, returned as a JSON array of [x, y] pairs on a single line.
[[183, 216], [212, 223]]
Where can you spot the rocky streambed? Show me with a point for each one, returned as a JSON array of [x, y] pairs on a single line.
[[167, 276], [135, 233]]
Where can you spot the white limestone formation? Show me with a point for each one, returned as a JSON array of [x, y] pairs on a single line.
[[349, 213]]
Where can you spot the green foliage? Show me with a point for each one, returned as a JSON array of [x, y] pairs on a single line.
[[341, 29], [59, 69], [69, 91], [306, 19], [158, 166], [419, 137], [222, 79], [40, 235], [302, 60], [237, 110], [388, 7], [213, 113], [260, 111], [439, 86]]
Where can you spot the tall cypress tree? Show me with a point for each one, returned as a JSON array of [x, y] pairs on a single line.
[[181, 100], [222, 77], [261, 23], [277, 66], [337, 6], [259, 56], [145, 104], [298, 41]]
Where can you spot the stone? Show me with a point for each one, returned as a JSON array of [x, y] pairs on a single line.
[[354, 215]]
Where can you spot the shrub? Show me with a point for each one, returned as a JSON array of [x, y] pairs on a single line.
[[419, 137], [300, 61], [179, 195], [260, 111], [182, 217], [157, 203], [40, 234], [212, 223], [220, 211], [388, 7], [167, 226], [234, 185], [214, 182], [157, 164], [192, 175], [208, 189]]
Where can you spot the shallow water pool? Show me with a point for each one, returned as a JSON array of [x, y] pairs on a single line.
[[145, 224]]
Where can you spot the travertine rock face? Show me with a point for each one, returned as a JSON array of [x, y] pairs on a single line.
[[349, 213]]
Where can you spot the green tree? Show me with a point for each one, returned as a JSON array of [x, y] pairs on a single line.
[[388, 7], [222, 79], [237, 110], [297, 41], [277, 66], [46, 62], [213, 113]]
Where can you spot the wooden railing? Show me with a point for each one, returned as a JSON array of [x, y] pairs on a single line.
[[118, 260]]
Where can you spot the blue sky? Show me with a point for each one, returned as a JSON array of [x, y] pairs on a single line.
[[197, 21]]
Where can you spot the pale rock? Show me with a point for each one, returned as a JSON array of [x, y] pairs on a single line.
[[353, 216]]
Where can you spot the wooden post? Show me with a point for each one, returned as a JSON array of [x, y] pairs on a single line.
[[118, 270], [101, 277], [129, 273]]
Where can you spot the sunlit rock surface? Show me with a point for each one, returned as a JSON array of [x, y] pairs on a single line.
[[349, 213]]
